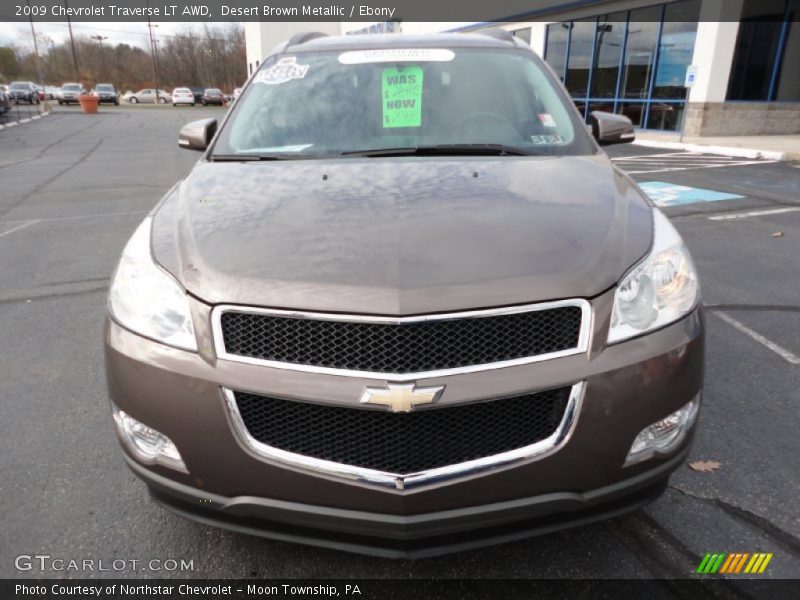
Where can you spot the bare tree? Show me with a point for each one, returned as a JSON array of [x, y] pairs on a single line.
[[193, 56]]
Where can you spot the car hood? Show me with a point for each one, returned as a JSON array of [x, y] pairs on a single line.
[[400, 236]]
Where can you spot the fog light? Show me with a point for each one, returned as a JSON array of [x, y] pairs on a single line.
[[148, 445], [665, 435]]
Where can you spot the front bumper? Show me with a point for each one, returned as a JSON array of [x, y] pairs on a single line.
[[413, 536], [627, 387]]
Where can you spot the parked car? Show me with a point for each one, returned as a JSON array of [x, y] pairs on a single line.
[[198, 94], [213, 96], [106, 92], [51, 92], [148, 96], [182, 96], [23, 91], [127, 96], [5, 99], [69, 93], [431, 313]]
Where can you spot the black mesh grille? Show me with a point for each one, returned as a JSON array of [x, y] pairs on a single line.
[[403, 442], [401, 348]]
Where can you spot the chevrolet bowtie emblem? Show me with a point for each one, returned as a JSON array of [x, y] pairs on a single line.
[[401, 397]]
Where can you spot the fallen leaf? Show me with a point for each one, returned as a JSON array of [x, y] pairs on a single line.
[[704, 466], [777, 234]]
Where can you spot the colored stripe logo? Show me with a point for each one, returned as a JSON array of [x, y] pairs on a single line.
[[734, 563]]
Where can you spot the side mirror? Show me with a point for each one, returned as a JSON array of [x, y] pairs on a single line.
[[197, 134], [608, 128]]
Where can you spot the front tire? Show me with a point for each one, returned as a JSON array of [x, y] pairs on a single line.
[[162, 101], [133, 100]]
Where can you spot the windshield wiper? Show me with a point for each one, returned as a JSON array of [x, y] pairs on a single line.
[[445, 150], [253, 157]]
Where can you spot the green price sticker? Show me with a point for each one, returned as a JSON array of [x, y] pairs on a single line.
[[402, 97]]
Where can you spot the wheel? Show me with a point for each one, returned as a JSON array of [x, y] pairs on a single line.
[[60, 102], [134, 100], [116, 102], [192, 103], [162, 101]]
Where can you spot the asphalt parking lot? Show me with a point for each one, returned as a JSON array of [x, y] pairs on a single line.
[[72, 189]]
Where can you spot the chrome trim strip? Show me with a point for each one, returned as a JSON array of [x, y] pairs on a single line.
[[401, 481], [583, 338]]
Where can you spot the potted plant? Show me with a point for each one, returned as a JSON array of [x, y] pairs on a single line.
[[88, 101]]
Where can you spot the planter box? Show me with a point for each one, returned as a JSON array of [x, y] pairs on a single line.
[[89, 104]]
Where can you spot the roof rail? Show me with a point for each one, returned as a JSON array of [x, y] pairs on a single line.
[[497, 33], [303, 37]]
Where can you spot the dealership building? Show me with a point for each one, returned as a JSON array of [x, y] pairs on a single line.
[[632, 57]]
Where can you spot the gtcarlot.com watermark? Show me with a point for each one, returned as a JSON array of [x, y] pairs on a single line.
[[58, 564]]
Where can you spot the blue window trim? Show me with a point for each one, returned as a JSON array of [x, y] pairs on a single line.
[[570, 27], [623, 49], [654, 72], [591, 68], [773, 82]]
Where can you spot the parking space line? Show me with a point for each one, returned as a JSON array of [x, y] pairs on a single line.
[[779, 350], [706, 166], [95, 216], [753, 213], [18, 227]]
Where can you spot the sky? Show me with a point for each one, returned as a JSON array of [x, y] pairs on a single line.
[[133, 33]]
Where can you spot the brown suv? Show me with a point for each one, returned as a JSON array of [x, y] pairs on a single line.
[[404, 305]]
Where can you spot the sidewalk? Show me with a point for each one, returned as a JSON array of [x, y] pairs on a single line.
[[773, 147]]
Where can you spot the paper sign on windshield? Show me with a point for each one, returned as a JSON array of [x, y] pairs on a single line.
[[282, 71], [358, 57], [402, 97]]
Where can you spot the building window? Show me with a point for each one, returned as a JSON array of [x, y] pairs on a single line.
[[788, 84], [523, 34], [632, 63], [640, 52], [580, 56], [768, 36], [676, 48], [556, 47], [610, 36]]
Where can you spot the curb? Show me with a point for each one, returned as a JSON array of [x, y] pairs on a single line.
[[720, 150]]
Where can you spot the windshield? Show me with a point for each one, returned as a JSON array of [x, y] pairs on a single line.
[[182, 91], [330, 103], [71, 87], [105, 88], [19, 86]]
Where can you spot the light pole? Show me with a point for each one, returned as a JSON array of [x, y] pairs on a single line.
[[150, 26], [100, 39], [72, 44], [36, 60]]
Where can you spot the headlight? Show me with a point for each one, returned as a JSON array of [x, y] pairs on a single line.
[[148, 301], [659, 290]]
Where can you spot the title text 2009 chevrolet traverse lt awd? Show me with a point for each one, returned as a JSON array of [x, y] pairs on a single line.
[[404, 305]]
